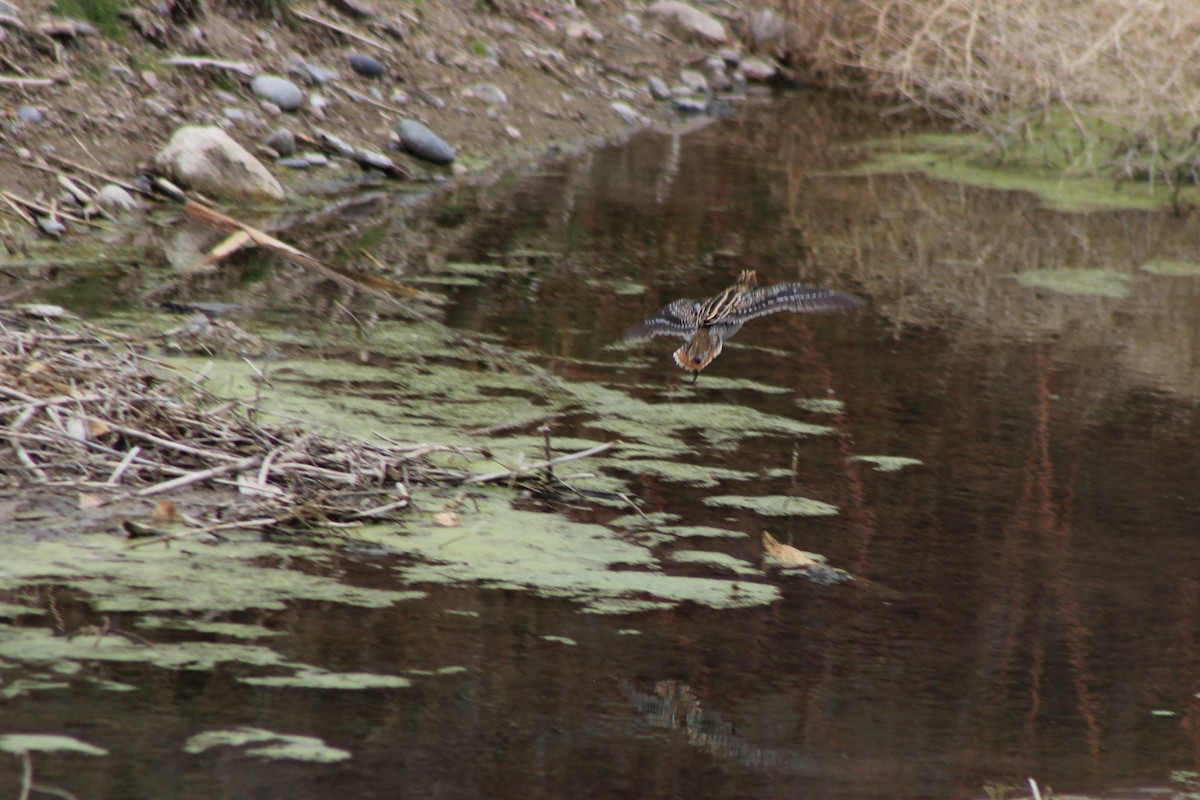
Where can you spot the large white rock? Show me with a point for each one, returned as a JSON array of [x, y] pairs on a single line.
[[692, 20], [208, 160]]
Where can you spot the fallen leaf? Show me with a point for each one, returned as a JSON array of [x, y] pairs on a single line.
[[785, 553], [98, 428], [87, 502], [165, 511], [446, 519]]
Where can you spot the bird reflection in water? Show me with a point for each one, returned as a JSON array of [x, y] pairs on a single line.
[[706, 324]]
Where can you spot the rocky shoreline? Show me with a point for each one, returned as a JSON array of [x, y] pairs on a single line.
[[407, 92]]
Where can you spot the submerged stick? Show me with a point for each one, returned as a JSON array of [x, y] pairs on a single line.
[[513, 473], [195, 477]]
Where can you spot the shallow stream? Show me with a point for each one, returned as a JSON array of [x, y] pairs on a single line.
[[1000, 452]]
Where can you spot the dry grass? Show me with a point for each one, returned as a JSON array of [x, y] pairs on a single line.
[[1122, 77]]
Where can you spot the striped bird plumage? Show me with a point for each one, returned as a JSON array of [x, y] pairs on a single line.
[[705, 324]]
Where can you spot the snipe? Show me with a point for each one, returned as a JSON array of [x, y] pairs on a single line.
[[706, 324]]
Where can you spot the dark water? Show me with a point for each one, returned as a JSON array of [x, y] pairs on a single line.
[[1030, 593]]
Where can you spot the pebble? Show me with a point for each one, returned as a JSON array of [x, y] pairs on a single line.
[[513, 133], [730, 55], [692, 20], [51, 226], [366, 66], [689, 105], [279, 91], [758, 69], [31, 114], [766, 27], [629, 114], [694, 80], [311, 74], [316, 159], [115, 198], [424, 143], [293, 162], [430, 98], [282, 141], [488, 93], [122, 72], [658, 88]]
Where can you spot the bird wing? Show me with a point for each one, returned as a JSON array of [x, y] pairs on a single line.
[[797, 297], [676, 319]]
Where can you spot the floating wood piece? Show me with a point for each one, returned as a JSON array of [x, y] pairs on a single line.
[[246, 234], [537, 465], [196, 62]]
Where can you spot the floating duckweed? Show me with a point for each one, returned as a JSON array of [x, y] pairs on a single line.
[[629, 288], [19, 743], [701, 531], [501, 547], [710, 558], [776, 505], [319, 679], [12, 611], [23, 686], [560, 639], [1175, 269], [278, 746], [821, 405], [467, 268], [643, 521], [888, 463], [234, 630], [1097, 282], [701, 475]]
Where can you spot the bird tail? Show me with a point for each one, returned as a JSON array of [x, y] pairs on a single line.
[[699, 351]]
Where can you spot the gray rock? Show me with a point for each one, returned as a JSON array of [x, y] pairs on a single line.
[[316, 159], [694, 81], [766, 28], [488, 93], [423, 143], [690, 105], [658, 88], [720, 82], [294, 162], [366, 66], [282, 141], [692, 20], [208, 160], [279, 91], [51, 226], [116, 199], [758, 69], [311, 74], [730, 55], [122, 72], [31, 114], [629, 114]]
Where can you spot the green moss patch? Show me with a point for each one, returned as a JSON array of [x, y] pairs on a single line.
[[774, 505], [888, 463], [1097, 282], [262, 743]]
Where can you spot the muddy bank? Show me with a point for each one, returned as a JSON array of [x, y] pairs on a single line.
[[496, 82]]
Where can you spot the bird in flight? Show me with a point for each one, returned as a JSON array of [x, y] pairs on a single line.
[[706, 324]]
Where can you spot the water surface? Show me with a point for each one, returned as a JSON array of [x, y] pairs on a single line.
[[1025, 600]]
